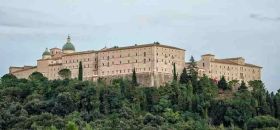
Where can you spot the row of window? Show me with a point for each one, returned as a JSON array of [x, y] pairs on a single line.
[[232, 68], [78, 60], [126, 71]]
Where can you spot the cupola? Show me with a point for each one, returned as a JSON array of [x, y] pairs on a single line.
[[68, 47], [46, 54]]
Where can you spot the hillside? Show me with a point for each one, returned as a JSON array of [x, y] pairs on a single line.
[[38, 104]]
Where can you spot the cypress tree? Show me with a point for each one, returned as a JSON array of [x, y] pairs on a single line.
[[134, 78], [243, 86], [222, 84], [276, 101], [174, 72], [80, 76], [184, 77], [193, 74]]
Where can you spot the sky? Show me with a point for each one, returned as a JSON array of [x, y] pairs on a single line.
[[226, 28]]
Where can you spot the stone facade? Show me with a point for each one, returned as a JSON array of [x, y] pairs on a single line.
[[230, 68], [153, 63]]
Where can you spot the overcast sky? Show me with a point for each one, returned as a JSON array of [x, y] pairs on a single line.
[[226, 28]]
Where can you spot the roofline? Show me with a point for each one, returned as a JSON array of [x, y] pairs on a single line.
[[81, 52], [139, 46], [208, 55], [248, 65], [25, 69], [122, 48], [55, 48], [233, 58]]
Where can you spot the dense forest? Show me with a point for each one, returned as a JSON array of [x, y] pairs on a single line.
[[186, 103]]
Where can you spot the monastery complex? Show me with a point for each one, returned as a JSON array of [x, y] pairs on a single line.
[[153, 64]]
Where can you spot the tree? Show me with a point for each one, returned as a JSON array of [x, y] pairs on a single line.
[[184, 77], [171, 116], [71, 126], [134, 78], [222, 84], [8, 80], [193, 74], [262, 122], [276, 101], [65, 73], [64, 104], [175, 77], [80, 76], [243, 86], [37, 76], [260, 95]]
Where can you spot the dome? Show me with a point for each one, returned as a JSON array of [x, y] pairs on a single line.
[[68, 45], [46, 52]]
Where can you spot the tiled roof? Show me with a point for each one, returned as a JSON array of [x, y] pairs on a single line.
[[223, 61], [81, 52], [251, 65], [234, 58], [208, 55], [25, 69], [139, 46]]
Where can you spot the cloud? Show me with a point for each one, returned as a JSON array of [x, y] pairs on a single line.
[[22, 18], [264, 18], [26, 18]]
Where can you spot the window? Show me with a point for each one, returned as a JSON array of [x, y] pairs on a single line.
[[144, 61], [145, 54], [203, 64], [128, 61]]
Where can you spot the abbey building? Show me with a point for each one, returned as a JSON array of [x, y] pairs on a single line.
[[153, 64]]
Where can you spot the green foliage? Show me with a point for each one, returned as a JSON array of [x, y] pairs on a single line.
[[72, 104], [71, 126], [193, 74], [260, 95], [153, 120], [134, 78], [37, 76], [276, 104], [8, 80], [175, 76], [171, 116], [222, 84], [80, 74], [262, 122], [243, 87], [65, 73], [184, 77]]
